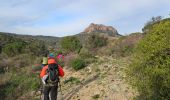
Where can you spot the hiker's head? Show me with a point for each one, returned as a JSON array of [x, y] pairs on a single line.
[[51, 61], [51, 55]]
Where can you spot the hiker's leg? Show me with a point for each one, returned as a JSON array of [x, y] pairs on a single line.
[[53, 92], [46, 92]]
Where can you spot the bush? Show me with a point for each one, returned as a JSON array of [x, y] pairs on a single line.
[[150, 71], [36, 48], [87, 56], [18, 85], [85, 53], [94, 41], [71, 44], [78, 64], [149, 25], [124, 46]]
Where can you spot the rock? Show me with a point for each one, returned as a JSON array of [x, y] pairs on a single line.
[[106, 66], [89, 70], [99, 28]]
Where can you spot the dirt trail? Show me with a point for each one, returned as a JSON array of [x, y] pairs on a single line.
[[79, 87], [102, 80]]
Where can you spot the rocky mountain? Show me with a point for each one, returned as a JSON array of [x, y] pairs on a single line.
[[99, 28]]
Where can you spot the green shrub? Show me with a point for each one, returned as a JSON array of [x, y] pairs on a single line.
[[149, 25], [15, 48], [150, 71], [12, 46], [124, 46], [85, 53], [95, 41], [87, 56], [78, 64], [36, 48], [71, 44], [18, 85]]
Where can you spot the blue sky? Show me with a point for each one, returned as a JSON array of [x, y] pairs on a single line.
[[68, 17]]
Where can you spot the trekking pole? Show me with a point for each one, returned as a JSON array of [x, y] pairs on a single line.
[[60, 90], [40, 89]]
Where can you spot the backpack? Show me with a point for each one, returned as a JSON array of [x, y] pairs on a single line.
[[53, 76]]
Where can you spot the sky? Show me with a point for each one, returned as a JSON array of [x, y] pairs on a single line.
[[68, 17]]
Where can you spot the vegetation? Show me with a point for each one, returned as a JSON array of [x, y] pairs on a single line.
[[37, 48], [78, 64], [71, 44], [18, 78], [94, 41], [124, 46], [18, 83], [14, 48], [149, 24], [150, 71]]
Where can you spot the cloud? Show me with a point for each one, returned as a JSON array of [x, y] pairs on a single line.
[[61, 17]]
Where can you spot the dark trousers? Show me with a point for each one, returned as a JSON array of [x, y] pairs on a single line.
[[52, 91]]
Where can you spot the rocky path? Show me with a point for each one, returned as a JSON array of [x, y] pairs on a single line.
[[102, 80]]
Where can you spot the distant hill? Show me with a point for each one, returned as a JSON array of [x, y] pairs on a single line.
[[49, 40], [39, 37]]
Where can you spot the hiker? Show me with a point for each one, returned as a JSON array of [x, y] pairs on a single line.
[[44, 60], [60, 59], [50, 78], [60, 56]]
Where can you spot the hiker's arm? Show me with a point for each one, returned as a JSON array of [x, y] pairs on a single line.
[[43, 71], [60, 70]]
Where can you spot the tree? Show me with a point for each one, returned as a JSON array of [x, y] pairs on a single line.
[[150, 23]]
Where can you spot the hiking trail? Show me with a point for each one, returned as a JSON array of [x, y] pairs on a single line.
[[104, 79]]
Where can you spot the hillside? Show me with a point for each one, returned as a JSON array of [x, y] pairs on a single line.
[[101, 80], [47, 39]]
